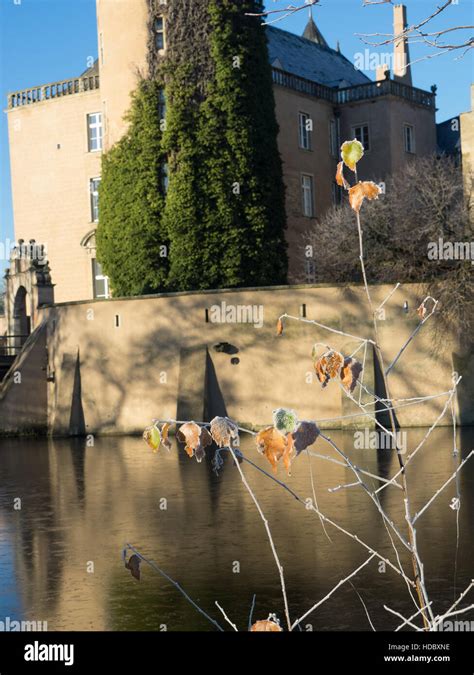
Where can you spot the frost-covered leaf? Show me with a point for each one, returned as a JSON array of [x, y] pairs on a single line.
[[305, 435], [359, 192], [350, 373], [266, 627], [285, 420], [421, 311], [279, 327], [340, 180], [328, 365], [351, 153], [152, 438], [224, 432], [196, 438]]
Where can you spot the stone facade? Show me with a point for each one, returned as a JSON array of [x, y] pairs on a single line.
[[53, 167]]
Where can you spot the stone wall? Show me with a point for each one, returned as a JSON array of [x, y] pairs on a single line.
[[118, 364]]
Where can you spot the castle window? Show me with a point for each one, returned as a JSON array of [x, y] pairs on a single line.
[[165, 177], [361, 133], [310, 271], [409, 133], [307, 194], [333, 144], [94, 194], [162, 105], [159, 27], [336, 194], [305, 126], [100, 281], [94, 131]]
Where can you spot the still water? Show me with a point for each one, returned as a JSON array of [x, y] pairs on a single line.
[[61, 553]]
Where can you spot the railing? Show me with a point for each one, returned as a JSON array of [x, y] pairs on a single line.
[[359, 92], [11, 345], [52, 90]]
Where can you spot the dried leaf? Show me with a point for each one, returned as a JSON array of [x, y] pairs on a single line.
[[204, 440], [351, 153], [350, 373], [272, 444], [359, 192], [279, 327], [133, 564], [165, 435], [305, 435], [196, 439], [328, 366], [266, 627], [340, 180], [421, 311], [285, 420], [224, 432], [152, 438]]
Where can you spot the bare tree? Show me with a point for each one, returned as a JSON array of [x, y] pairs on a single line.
[[420, 230], [450, 38]]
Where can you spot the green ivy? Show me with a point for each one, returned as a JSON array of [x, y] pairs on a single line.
[[131, 242]]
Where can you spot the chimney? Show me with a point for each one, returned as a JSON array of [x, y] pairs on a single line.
[[401, 56], [382, 72]]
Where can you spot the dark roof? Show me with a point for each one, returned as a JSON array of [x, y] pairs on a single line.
[[448, 139], [310, 60], [93, 70], [312, 32]]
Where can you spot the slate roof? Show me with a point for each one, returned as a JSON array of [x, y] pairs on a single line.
[[315, 62]]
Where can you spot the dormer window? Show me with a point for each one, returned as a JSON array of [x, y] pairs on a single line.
[[159, 27]]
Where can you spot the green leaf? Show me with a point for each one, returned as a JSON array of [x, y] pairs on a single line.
[[351, 153]]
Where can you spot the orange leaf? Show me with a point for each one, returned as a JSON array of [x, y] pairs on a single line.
[[165, 435], [266, 627], [350, 373], [196, 439], [328, 366], [279, 327], [272, 444], [359, 192], [340, 180]]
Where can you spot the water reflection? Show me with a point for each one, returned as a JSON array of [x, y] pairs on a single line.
[[80, 504]]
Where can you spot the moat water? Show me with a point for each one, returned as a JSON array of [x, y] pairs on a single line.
[[61, 552]]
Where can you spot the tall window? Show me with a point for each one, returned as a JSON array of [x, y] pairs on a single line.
[[333, 144], [305, 126], [307, 194], [162, 105], [159, 26], [94, 195], [336, 194], [310, 271], [165, 176], [361, 133], [100, 281], [409, 132], [94, 131]]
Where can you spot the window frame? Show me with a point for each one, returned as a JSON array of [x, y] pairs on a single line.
[[333, 138], [361, 125], [411, 127], [94, 198], [159, 32], [100, 132], [303, 131], [303, 189], [99, 277]]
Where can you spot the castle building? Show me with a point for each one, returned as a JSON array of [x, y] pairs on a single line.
[[58, 132]]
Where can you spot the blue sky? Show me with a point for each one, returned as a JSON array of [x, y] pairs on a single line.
[[46, 40]]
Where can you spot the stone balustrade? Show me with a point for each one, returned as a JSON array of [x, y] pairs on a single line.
[[52, 90]]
